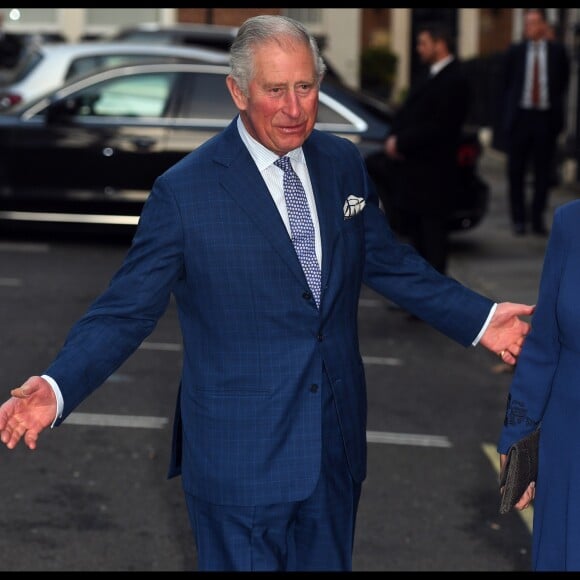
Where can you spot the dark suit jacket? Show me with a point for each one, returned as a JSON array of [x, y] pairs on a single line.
[[513, 77], [248, 420], [428, 128]]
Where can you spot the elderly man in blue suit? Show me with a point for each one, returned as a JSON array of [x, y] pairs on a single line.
[[270, 423]]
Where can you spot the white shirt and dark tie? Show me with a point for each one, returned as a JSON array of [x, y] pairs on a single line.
[[536, 79]]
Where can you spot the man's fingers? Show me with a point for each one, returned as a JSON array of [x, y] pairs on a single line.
[[30, 439], [527, 497], [11, 436]]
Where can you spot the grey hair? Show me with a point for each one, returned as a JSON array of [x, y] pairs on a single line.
[[263, 29]]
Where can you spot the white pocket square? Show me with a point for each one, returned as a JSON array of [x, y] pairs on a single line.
[[352, 206]]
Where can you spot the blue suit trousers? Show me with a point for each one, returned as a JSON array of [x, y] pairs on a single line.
[[316, 534]]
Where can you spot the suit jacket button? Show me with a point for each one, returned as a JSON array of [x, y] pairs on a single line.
[[313, 388], [307, 295], [320, 337]]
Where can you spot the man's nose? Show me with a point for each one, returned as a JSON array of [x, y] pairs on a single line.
[[292, 103]]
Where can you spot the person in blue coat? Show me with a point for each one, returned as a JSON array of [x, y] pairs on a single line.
[[545, 392], [270, 423]]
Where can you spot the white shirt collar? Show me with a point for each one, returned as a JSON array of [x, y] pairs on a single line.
[[261, 155], [440, 65]]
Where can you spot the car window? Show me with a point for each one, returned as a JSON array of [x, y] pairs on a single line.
[[326, 114], [205, 96], [28, 62], [144, 95]]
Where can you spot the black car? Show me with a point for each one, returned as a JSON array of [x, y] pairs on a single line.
[[88, 153], [469, 201]]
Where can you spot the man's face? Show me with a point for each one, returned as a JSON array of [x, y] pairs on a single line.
[[281, 106], [534, 25], [426, 48]]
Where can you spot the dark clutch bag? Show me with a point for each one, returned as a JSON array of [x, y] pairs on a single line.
[[520, 470]]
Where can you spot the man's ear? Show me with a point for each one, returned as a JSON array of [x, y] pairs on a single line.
[[237, 94]]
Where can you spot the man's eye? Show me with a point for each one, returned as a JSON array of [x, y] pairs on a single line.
[[304, 88]]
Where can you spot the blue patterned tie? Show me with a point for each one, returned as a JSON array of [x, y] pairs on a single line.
[[301, 225]]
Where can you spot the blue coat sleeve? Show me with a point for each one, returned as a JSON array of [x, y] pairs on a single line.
[[536, 367]]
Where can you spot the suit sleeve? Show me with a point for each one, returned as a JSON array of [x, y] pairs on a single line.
[[128, 310], [534, 373], [396, 270]]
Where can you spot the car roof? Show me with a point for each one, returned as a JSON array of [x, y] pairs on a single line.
[[190, 33], [185, 27], [77, 83], [46, 65], [62, 50]]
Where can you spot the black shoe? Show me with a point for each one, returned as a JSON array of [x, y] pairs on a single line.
[[519, 229]]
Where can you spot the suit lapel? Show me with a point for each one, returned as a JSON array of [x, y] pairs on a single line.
[[323, 179], [244, 183]]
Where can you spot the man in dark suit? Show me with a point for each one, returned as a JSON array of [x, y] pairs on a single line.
[[270, 422], [420, 170], [532, 117]]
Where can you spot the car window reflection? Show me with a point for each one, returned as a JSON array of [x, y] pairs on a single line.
[[139, 96]]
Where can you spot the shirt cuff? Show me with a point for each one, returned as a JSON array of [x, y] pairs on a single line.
[[485, 325], [58, 395]]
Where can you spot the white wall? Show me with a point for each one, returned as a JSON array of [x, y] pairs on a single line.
[[342, 29]]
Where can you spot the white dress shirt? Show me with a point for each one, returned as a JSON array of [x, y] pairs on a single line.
[[274, 178], [542, 51]]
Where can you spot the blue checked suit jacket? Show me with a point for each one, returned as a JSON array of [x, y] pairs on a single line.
[[247, 426]]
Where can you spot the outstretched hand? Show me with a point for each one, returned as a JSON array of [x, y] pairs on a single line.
[[506, 332], [30, 409]]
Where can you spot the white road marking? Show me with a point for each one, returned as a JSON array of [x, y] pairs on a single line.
[[24, 247], [166, 346], [175, 347], [11, 282], [389, 361], [103, 420], [141, 422], [407, 439]]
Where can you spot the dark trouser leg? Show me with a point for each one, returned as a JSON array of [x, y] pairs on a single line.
[[325, 523], [435, 241], [384, 174], [429, 238], [544, 148], [518, 156]]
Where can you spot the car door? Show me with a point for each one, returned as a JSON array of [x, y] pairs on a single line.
[[201, 106], [99, 148]]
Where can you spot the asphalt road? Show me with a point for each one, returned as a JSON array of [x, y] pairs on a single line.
[[94, 496]]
